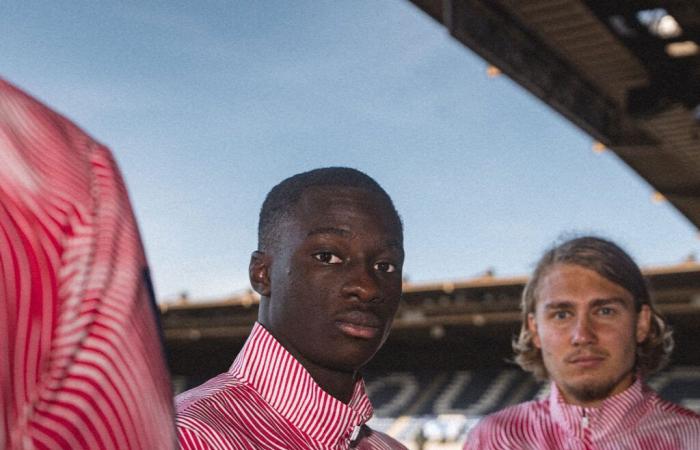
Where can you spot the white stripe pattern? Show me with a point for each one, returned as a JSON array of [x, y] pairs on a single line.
[[81, 363], [636, 419], [267, 400]]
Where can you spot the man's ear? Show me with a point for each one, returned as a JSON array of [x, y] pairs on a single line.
[[643, 324], [259, 273], [532, 328]]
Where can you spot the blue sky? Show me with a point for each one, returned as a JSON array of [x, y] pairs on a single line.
[[207, 105]]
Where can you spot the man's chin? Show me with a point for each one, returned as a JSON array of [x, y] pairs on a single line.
[[590, 388], [590, 392], [361, 358], [353, 357]]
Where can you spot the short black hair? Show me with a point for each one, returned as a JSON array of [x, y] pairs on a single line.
[[283, 197]]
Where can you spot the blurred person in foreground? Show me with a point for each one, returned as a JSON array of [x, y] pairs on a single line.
[[81, 363], [590, 327], [328, 271]]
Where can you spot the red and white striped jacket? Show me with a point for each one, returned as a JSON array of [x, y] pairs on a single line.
[[267, 400], [636, 419], [81, 363]]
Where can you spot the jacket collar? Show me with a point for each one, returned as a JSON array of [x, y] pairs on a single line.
[[290, 390], [614, 415]]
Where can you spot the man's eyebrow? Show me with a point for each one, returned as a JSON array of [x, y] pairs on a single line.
[[609, 301], [396, 244], [329, 230], [558, 304], [565, 304]]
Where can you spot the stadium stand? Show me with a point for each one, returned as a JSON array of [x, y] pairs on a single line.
[[430, 387]]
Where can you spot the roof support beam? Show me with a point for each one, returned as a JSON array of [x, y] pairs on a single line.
[[498, 38]]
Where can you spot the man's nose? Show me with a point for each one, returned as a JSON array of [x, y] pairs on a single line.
[[583, 332], [362, 284]]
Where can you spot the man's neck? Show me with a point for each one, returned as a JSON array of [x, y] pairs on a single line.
[[340, 385]]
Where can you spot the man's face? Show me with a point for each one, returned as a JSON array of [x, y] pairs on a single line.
[[335, 277], [588, 330]]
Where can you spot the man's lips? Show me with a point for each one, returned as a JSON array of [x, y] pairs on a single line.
[[586, 360], [359, 324]]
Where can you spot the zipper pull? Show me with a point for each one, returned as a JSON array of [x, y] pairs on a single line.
[[355, 432], [584, 419]]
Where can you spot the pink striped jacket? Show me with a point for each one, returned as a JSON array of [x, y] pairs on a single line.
[[636, 419], [267, 400], [81, 363]]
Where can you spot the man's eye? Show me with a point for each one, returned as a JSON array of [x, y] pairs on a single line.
[[385, 267], [605, 311], [561, 315], [328, 258]]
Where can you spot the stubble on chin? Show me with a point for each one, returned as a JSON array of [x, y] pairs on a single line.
[[593, 391], [590, 392]]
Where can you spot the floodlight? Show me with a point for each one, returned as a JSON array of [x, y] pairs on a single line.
[[659, 23], [682, 49]]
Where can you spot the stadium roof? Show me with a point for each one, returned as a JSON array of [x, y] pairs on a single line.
[[626, 72]]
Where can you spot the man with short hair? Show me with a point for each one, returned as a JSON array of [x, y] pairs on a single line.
[[328, 271], [590, 327]]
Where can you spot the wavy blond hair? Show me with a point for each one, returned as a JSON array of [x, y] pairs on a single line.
[[611, 262]]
